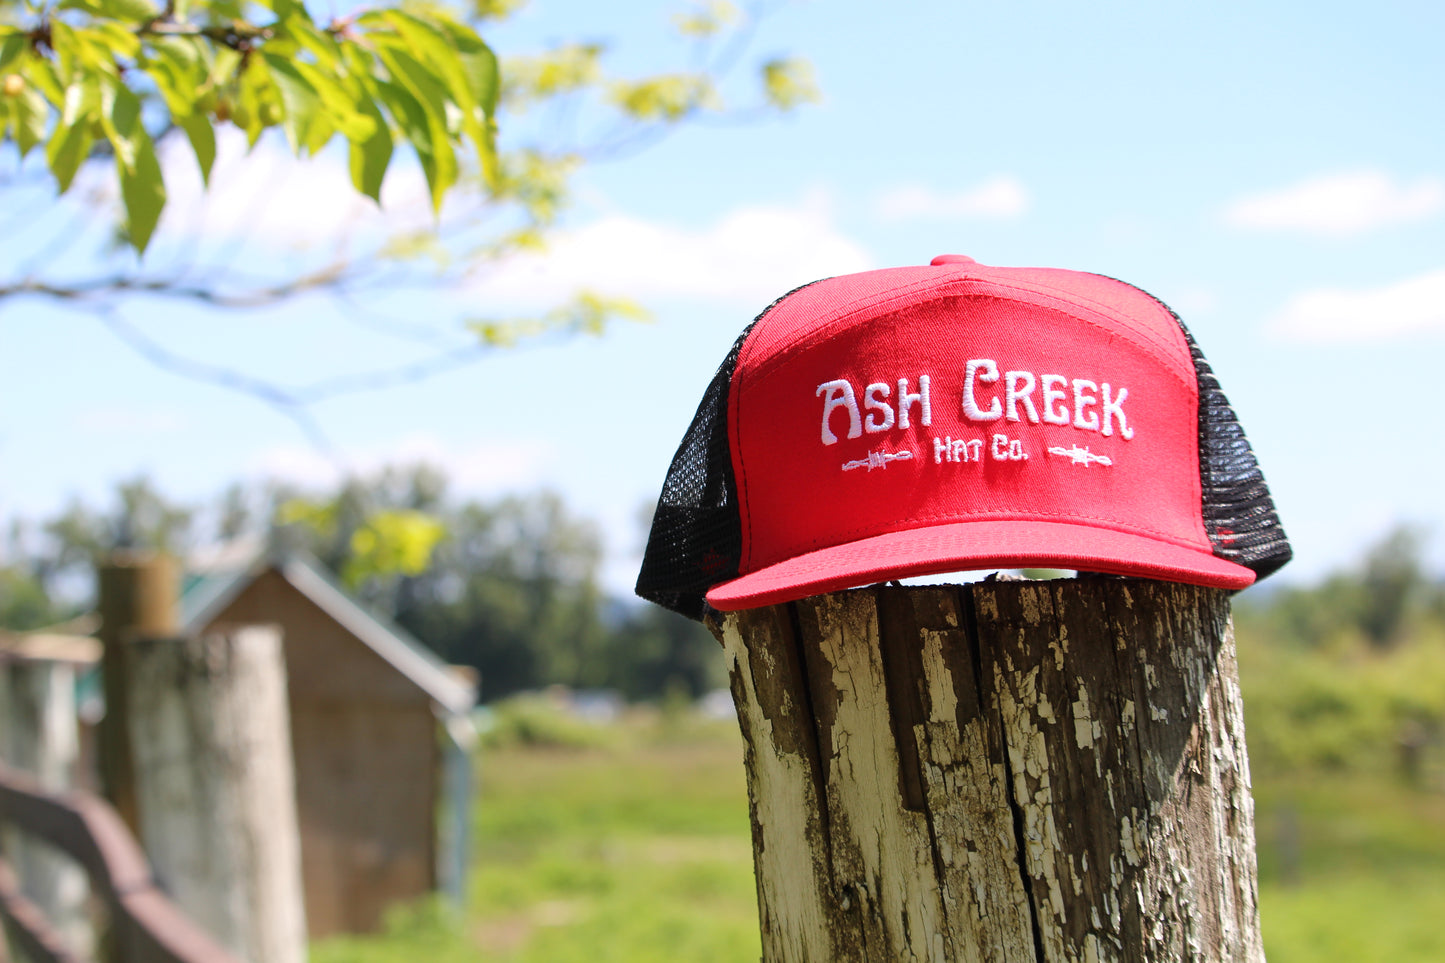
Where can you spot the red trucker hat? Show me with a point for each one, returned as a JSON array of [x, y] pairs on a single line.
[[955, 417]]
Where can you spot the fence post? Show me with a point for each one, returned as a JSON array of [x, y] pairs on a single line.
[[1012, 771], [138, 596], [215, 785], [39, 736]]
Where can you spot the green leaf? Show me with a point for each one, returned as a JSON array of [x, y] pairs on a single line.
[[141, 186], [141, 11], [120, 116], [300, 28], [429, 46], [203, 141], [224, 66], [29, 112], [706, 20], [479, 64], [247, 113], [393, 541], [471, 86], [71, 139], [43, 75], [283, 9], [437, 139], [114, 38], [483, 78], [410, 116], [69, 145], [339, 104], [11, 48], [788, 82], [416, 127], [371, 155], [299, 100], [175, 91], [178, 67], [64, 43], [144, 193]]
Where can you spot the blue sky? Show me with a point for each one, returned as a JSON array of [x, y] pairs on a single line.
[[1275, 172]]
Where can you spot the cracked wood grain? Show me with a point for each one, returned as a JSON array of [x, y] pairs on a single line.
[[1003, 771]]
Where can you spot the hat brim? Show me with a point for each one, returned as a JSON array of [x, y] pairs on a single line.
[[973, 546]]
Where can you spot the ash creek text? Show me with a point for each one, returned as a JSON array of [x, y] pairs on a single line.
[[1084, 404]]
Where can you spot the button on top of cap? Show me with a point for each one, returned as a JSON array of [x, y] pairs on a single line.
[[952, 259]]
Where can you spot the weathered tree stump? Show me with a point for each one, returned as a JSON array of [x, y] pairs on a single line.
[[1015, 771], [215, 786]]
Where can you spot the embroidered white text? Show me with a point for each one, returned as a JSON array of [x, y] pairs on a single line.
[[881, 414], [1095, 406]]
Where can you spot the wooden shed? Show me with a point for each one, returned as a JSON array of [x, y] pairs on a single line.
[[380, 735]]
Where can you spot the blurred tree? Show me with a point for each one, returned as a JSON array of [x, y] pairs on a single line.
[[49, 567], [653, 651], [24, 602], [88, 84], [141, 518], [1392, 584], [510, 588], [1377, 599], [514, 592]]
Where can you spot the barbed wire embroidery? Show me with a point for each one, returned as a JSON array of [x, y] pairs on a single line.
[[1082, 456], [877, 459]]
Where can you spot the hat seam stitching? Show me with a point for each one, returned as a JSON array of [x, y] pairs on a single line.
[[891, 296], [764, 368]]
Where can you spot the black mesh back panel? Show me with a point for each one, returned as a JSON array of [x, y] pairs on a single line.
[[1239, 515], [696, 539]]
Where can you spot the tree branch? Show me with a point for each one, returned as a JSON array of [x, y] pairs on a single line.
[[278, 399], [94, 290]]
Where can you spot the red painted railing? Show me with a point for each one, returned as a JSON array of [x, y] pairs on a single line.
[[145, 926]]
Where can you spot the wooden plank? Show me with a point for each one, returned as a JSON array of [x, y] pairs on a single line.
[[148, 927], [40, 734], [27, 926], [211, 749]]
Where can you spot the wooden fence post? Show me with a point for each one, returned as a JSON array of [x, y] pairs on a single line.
[[138, 596], [39, 735], [215, 785], [1011, 771]]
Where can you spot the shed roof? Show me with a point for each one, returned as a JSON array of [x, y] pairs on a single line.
[[205, 598]]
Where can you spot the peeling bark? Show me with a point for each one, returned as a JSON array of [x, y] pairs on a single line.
[[1003, 771]]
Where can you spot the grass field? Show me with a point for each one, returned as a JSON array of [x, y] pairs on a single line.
[[634, 847]]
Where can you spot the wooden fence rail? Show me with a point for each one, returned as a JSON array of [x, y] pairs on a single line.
[[145, 926]]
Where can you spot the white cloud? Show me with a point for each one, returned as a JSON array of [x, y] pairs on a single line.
[[272, 198], [277, 202], [1001, 198], [751, 255], [1339, 205], [485, 469], [1412, 306]]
